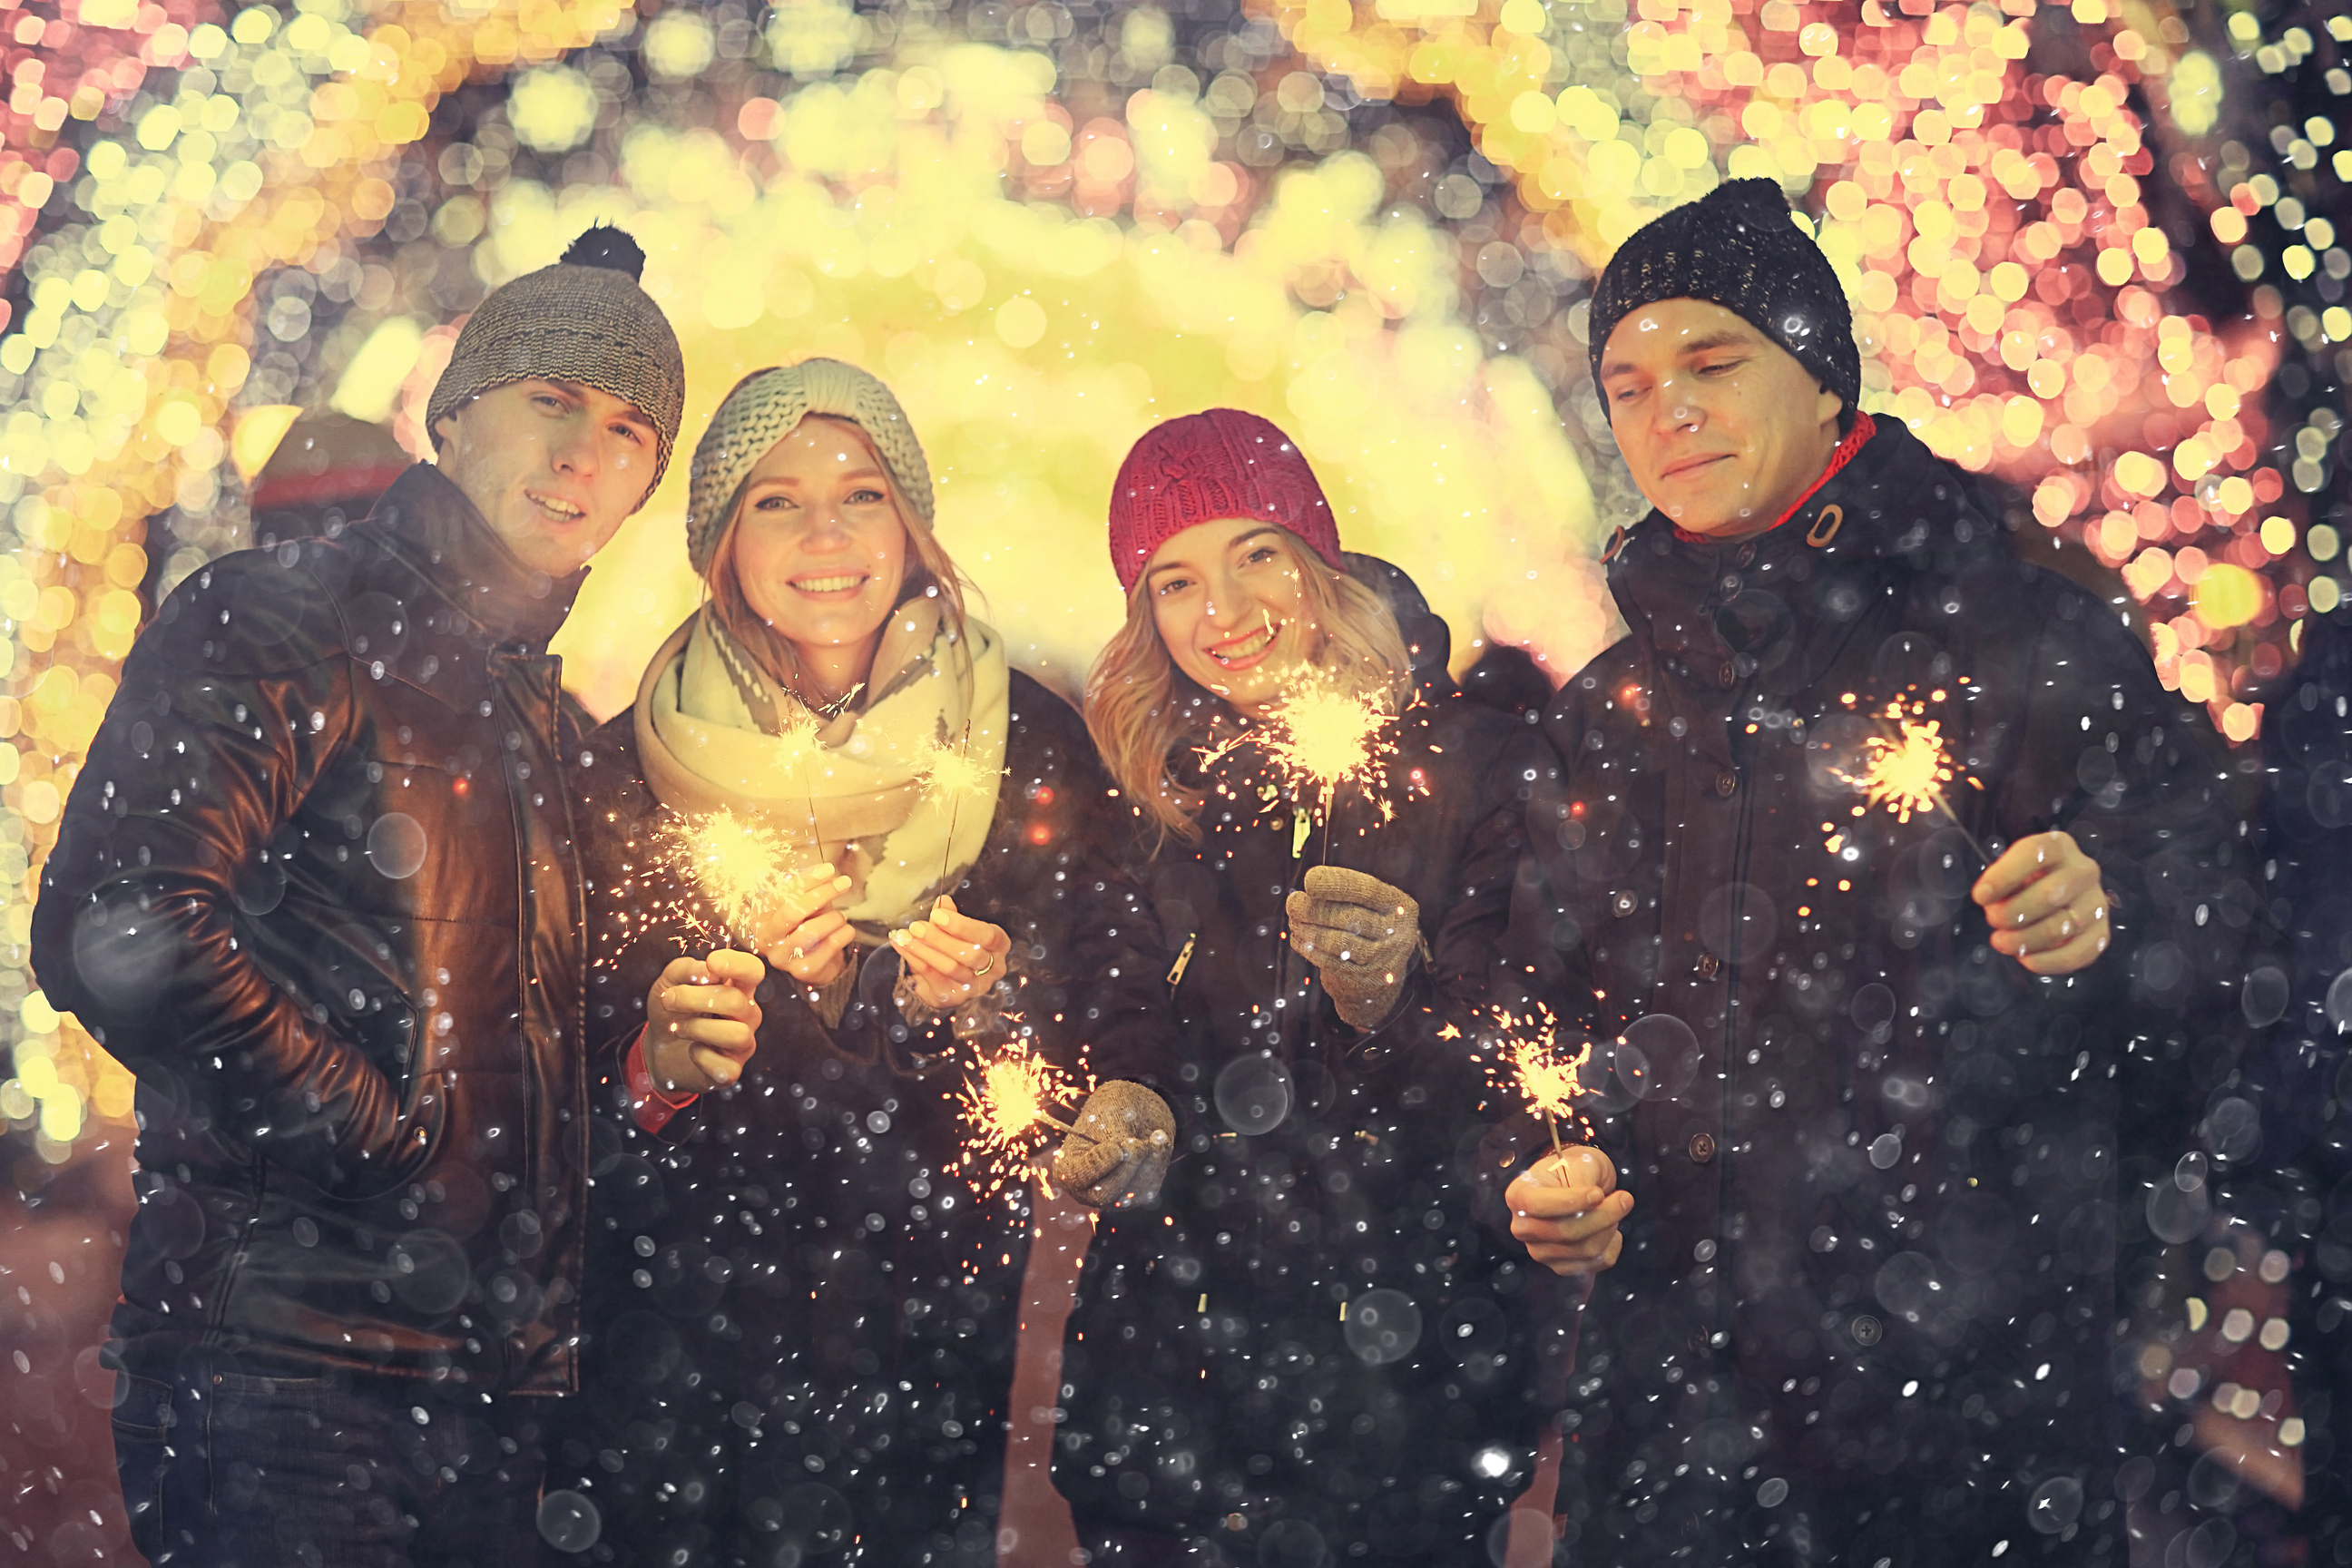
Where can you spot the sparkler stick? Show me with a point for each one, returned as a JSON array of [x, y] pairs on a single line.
[[949, 773], [1907, 770]]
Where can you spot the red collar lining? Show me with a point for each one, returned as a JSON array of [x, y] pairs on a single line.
[[1855, 440]]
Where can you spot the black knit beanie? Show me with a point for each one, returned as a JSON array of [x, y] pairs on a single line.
[[1738, 247]]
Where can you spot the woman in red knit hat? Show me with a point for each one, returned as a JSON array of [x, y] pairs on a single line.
[[1309, 1346]]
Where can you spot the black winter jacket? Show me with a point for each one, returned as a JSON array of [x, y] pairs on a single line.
[[799, 1307], [1312, 1334], [316, 887], [1876, 1163]]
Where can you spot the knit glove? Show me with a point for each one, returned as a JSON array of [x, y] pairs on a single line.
[[1117, 1149], [1360, 933]]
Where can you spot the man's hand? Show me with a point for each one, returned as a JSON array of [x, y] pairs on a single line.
[[701, 1023], [1566, 1211], [802, 934], [951, 956], [2046, 905]]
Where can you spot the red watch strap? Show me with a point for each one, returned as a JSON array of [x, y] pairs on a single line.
[[651, 1107]]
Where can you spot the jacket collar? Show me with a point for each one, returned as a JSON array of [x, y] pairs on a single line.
[[426, 522], [1893, 498], [1705, 601]]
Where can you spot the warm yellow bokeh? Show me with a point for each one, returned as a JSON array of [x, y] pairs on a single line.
[[1031, 347]]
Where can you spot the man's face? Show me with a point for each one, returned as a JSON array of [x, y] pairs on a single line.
[[1722, 428], [554, 467]]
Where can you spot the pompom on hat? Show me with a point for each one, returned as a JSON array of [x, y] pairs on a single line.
[[1200, 468], [583, 320], [765, 407], [1739, 248]]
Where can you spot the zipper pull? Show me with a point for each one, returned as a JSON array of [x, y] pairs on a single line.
[[1183, 957]]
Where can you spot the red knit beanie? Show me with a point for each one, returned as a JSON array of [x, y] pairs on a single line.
[[1216, 464]]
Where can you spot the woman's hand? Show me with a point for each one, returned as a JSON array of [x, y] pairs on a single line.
[[951, 956], [701, 1022], [810, 940], [1566, 1211], [2047, 905]]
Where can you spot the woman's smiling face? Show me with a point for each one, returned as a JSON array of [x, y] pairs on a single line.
[[1227, 600], [820, 548]]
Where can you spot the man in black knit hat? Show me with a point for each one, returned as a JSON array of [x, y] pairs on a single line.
[[317, 887], [1868, 1064]]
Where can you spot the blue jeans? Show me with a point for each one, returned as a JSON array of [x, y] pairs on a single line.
[[223, 1468]]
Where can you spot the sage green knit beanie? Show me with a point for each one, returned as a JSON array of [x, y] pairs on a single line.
[[765, 407]]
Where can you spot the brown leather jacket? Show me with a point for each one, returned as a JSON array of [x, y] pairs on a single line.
[[317, 887]]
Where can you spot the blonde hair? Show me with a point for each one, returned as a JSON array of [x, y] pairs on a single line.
[[929, 568], [1140, 708]]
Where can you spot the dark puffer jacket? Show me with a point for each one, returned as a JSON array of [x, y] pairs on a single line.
[[316, 887], [1877, 1163], [1313, 1336], [802, 1316]]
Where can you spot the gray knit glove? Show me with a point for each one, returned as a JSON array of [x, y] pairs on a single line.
[[1117, 1149], [1360, 933]]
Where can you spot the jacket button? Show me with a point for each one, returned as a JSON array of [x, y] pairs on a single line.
[[1747, 554], [1728, 675], [1867, 1331], [1702, 1147], [1708, 964], [1726, 784], [1625, 903]]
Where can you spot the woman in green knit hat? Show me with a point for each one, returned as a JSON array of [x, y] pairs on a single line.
[[802, 1312]]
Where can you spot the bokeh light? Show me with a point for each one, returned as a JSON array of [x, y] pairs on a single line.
[[2087, 256]]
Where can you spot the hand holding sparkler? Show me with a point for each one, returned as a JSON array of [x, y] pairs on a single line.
[[701, 1021], [1566, 1211], [1117, 1152], [952, 956], [800, 933], [1361, 934], [2047, 905]]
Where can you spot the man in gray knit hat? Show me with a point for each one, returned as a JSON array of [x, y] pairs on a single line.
[[1874, 1064], [317, 887]]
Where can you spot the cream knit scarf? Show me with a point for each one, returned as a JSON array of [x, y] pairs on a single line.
[[864, 775]]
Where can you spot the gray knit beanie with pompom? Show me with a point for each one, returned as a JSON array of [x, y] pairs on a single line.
[[583, 320]]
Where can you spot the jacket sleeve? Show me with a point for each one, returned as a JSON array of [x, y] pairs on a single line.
[[2133, 774], [232, 703]]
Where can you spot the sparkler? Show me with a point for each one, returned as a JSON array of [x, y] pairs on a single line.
[[1008, 1107], [1907, 770], [1528, 1061], [738, 866], [1320, 740], [948, 773]]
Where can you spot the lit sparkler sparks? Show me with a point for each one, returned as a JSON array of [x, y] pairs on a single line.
[[1008, 1107], [738, 866], [1320, 740], [1527, 1060], [949, 773], [1907, 771]]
